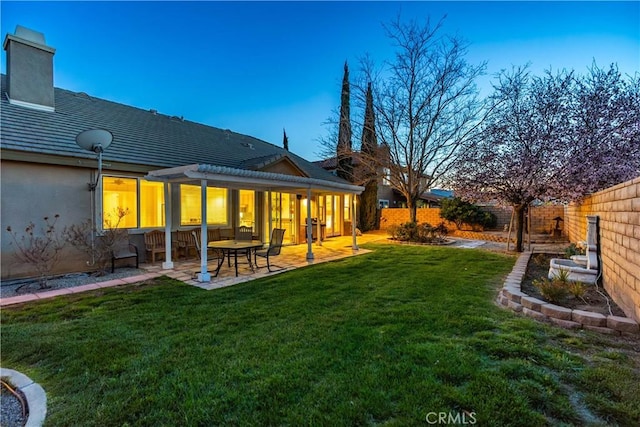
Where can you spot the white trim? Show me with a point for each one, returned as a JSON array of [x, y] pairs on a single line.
[[240, 178], [31, 105]]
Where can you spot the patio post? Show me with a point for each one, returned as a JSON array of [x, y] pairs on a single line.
[[354, 224], [168, 262], [269, 207], [308, 228], [204, 275], [318, 222]]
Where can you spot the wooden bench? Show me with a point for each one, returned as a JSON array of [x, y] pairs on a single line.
[[186, 242], [154, 243]]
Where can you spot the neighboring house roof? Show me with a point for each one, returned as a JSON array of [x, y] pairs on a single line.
[[332, 162], [140, 137]]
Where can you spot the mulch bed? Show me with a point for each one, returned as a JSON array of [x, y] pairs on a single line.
[[596, 299]]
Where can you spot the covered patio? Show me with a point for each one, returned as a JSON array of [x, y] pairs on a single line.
[[290, 258], [267, 182]]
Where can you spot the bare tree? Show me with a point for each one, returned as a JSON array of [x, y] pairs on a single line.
[[427, 107]]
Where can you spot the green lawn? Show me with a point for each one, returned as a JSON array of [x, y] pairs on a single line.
[[384, 338]]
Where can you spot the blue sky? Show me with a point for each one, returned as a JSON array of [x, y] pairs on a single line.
[[259, 67]]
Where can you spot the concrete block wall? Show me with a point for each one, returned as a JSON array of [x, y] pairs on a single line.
[[541, 217], [397, 216], [619, 210]]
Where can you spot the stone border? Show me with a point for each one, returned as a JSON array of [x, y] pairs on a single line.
[[34, 394], [512, 297]]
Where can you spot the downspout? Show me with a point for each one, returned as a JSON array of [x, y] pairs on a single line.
[[168, 263], [204, 275]]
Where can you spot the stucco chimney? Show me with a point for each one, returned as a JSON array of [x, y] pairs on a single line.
[[29, 69]]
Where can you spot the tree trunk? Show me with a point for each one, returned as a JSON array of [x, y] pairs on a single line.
[[413, 214], [519, 215]]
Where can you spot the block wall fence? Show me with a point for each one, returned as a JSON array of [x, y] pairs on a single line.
[[541, 217], [619, 210]]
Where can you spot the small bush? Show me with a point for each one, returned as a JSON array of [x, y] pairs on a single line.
[[572, 250], [577, 289], [461, 212], [420, 233], [552, 290], [38, 246]]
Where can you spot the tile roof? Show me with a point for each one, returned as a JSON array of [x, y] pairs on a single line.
[[140, 137]]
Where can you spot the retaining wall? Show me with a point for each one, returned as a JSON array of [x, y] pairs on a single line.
[[511, 296], [619, 210]]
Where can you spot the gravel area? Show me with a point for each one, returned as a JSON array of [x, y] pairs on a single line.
[[26, 286], [10, 409]]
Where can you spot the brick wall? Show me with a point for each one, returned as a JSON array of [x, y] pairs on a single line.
[[397, 216], [541, 217], [619, 210]]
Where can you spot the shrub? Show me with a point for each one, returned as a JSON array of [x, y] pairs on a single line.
[[39, 248], [85, 238], [577, 289], [552, 290], [421, 233], [461, 212], [572, 250]]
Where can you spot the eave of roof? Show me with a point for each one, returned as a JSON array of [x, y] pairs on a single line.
[[248, 179]]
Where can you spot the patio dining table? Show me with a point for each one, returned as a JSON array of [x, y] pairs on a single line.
[[229, 246]]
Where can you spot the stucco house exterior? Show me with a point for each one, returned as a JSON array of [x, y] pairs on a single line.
[[168, 172]]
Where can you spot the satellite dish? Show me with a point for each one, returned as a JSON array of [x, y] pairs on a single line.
[[96, 140]]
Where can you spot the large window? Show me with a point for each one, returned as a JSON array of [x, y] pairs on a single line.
[[151, 204], [132, 203], [191, 208], [119, 197], [347, 207], [248, 208]]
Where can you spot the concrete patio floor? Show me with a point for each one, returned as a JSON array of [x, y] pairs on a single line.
[[290, 258]]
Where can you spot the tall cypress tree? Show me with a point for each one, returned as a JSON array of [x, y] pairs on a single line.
[[285, 140], [369, 147], [344, 148]]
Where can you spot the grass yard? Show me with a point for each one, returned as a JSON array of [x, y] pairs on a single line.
[[391, 337]]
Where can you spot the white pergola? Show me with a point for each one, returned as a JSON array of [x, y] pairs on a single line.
[[232, 178]]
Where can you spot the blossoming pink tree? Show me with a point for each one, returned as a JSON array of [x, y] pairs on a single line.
[[556, 137]]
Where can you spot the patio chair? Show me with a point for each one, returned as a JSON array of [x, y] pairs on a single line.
[[212, 253], [244, 233], [123, 250], [275, 245]]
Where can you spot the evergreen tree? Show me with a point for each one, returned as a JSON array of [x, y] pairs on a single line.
[[285, 140], [369, 148], [345, 164]]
